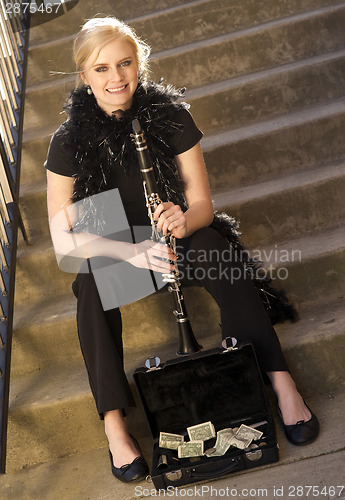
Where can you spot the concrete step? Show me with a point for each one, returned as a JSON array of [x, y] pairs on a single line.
[[252, 97], [199, 20], [33, 207], [182, 22], [70, 23], [245, 51], [287, 206], [223, 57], [51, 411], [50, 339], [255, 97], [205, 16], [272, 211], [46, 328], [277, 209], [37, 272], [46, 100], [299, 140], [87, 475], [172, 27], [34, 154], [309, 268], [67, 421], [45, 335], [235, 156]]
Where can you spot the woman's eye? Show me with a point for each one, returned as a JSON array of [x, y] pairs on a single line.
[[101, 69], [126, 63]]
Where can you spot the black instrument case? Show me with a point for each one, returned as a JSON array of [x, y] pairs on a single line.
[[223, 386]]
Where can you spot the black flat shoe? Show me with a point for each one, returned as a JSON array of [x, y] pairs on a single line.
[[302, 432], [134, 471]]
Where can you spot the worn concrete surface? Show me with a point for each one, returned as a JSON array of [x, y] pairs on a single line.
[[87, 476], [268, 89]]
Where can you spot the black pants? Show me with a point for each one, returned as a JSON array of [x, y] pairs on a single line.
[[206, 257]]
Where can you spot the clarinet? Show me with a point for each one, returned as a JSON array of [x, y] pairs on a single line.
[[187, 341]]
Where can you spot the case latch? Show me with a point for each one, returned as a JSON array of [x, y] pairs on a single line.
[[152, 363], [174, 475], [254, 455], [229, 344]]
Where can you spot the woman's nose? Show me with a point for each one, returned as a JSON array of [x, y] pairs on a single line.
[[116, 74]]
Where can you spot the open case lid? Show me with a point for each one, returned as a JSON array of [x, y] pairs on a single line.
[[217, 385]]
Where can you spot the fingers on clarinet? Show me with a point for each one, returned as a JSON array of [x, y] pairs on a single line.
[[160, 224], [163, 218], [172, 226], [167, 205], [158, 211], [169, 224]]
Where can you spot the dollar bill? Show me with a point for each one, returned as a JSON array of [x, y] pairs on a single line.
[[227, 433], [240, 442], [222, 444], [170, 441], [239, 437], [201, 432], [191, 449], [247, 432]]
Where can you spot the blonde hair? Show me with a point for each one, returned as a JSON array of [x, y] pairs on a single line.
[[97, 32]]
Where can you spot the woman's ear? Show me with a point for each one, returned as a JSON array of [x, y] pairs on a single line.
[[82, 77]]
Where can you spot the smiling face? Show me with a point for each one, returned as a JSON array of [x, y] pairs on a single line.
[[112, 75]]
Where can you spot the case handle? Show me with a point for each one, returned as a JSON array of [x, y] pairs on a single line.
[[202, 475]]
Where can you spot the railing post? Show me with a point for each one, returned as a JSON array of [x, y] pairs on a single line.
[[13, 59]]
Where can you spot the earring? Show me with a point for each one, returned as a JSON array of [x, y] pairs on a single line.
[[89, 90]]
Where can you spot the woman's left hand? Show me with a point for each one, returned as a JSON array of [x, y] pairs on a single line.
[[171, 219]]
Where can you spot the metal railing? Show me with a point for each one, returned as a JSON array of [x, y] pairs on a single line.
[[13, 56]]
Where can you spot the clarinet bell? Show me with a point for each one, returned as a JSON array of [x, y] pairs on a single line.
[[187, 341]]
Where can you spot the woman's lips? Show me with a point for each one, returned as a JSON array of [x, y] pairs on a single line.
[[117, 90]]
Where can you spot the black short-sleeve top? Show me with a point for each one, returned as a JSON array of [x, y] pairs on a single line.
[[130, 187]]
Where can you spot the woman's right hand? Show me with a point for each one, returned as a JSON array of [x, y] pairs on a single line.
[[152, 255]]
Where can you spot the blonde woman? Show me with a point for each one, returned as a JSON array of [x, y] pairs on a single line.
[[91, 153]]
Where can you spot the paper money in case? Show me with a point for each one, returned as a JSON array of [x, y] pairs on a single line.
[[170, 441], [201, 432], [248, 432], [224, 388], [191, 449], [239, 438]]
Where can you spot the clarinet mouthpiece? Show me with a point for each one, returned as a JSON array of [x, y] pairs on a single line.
[[136, 126]]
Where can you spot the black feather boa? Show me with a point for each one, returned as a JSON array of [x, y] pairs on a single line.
[[99, 141]]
